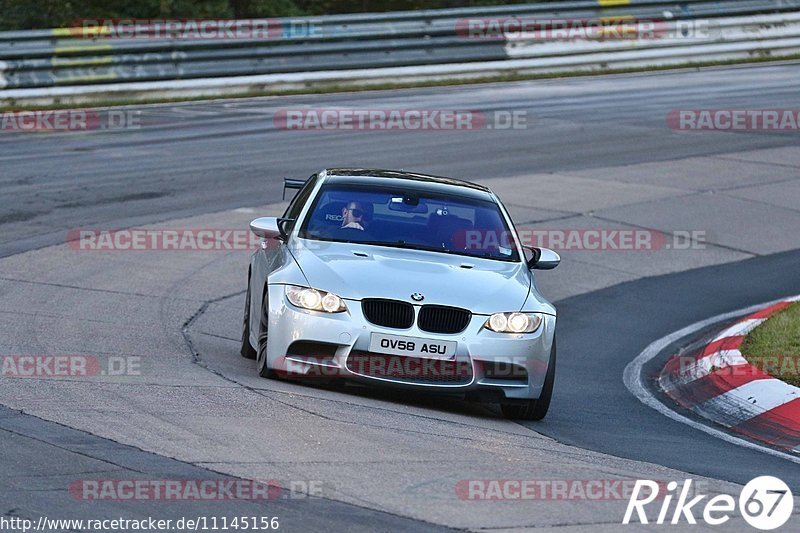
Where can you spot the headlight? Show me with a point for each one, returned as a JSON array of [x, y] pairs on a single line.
[[514, 322], [315, 300]]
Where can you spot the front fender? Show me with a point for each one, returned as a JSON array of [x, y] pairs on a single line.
[[270, 267]]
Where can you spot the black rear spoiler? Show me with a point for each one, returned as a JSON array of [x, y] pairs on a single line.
[[290, 183]]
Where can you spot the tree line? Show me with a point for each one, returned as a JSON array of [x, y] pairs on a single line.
[[37, 14]]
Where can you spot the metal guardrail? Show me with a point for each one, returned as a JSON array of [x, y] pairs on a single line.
[[434, 39]]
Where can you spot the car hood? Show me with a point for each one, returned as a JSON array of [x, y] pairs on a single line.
[[355, 271]]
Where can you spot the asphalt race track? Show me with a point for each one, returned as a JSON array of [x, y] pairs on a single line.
[[595, 153]]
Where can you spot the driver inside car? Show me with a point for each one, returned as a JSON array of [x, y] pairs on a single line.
[[356, 215]]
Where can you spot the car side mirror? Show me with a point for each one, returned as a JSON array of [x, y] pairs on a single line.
[[267, 228], [543, 259]]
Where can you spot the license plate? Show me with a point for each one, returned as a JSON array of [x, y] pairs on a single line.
[[412, 346]]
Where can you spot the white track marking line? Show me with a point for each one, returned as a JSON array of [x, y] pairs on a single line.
[[632, 377]]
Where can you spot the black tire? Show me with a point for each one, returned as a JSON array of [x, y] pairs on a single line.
[[263, 332], [247, 350], [535, 409]]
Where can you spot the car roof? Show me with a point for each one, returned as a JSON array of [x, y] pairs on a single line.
[[427, 181]]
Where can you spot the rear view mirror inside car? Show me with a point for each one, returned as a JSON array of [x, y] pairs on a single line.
[[407, 204]]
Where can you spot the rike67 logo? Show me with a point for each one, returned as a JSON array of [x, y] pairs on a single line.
[[765, 503]]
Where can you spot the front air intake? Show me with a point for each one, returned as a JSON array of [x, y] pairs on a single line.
[[442, 319], [388, 313]]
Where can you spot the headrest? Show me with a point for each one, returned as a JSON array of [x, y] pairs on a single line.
[[330, 214]]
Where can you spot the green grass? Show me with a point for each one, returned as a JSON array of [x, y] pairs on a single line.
[[325, 89], [774, 346]]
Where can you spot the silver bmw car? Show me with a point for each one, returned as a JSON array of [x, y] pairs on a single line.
[[401, 279]]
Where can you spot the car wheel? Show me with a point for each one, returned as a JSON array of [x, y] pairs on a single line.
[[261, 359], [247, 350], [535, 409]]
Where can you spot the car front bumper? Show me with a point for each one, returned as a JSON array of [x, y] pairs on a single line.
[[310, 344]]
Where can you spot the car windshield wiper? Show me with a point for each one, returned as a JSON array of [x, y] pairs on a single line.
[[409, 246], [400, 243]]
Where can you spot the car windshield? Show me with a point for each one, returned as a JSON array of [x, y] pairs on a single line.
[[410, 218]]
